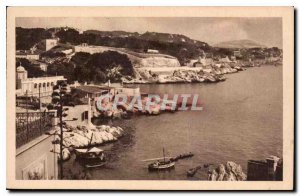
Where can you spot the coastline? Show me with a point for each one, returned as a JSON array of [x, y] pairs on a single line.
[[209, 74]]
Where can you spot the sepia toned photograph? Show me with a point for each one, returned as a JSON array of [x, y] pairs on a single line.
[[150, 98]]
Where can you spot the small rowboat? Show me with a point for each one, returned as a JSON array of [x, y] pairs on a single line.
[[193, 171]]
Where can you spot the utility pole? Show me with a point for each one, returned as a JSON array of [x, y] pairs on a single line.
[[40, 108], [27, 116], [59, 92], [61, 137]]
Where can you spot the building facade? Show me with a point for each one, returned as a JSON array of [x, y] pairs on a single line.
[[28, 56], [50, 43], [34, 86]]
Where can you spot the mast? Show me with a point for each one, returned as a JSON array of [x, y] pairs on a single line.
[[164, 154]]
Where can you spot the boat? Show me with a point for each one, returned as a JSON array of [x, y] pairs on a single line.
[[91, 157], [93, 153], [193, 171], [163, 164]]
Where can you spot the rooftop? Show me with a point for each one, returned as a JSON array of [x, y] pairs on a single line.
[[27, 52], [93, 89]]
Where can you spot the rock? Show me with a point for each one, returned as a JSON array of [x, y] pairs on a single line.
[[230, 172], [82, 136], [66, 154], [236, 170]]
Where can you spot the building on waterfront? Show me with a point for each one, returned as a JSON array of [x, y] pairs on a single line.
[[268, 170], [34, 86], [94, 91], [128, 91], [91, 91]]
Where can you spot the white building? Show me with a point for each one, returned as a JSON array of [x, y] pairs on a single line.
[[42, 65], [152, 51], [68, 51], [91, 49], [27, 55], [50, 43], [33, 86]]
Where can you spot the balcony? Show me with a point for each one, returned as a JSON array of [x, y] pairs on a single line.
[[31, 125]]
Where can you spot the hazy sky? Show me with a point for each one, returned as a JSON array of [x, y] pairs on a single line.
[[267, 31]]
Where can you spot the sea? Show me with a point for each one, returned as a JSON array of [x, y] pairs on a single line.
[[241, 120]]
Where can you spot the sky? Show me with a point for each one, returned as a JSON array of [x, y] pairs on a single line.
[[267, 31]]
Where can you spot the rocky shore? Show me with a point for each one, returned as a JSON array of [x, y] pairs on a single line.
[[83, 136], [184, 74], [228, 172]]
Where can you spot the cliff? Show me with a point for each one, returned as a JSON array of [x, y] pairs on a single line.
[[158, 62]]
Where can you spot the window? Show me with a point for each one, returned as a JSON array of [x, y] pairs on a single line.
[[35, 85]]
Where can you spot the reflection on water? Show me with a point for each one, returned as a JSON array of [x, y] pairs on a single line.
[[242, 119]]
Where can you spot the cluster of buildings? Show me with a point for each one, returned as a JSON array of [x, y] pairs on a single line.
[[34, 54], [258, 55]]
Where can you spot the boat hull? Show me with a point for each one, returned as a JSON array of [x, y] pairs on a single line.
[[95, 165], [153, 167]]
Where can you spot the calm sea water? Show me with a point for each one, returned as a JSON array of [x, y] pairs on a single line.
[[242, 120]]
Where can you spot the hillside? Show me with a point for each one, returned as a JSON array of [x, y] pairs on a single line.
[[239, 44], [149, 36], [179, 46]]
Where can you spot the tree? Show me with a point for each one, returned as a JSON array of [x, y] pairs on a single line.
[[58, 95], [70, 35], [100, 67], [32, 69], [99, 76], [26, 38], [82, 73], [110, 59], [64, 69], [81, 58]]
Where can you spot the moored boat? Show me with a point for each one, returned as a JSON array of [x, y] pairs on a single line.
[[95, 165], [90, 154], [162, 164]]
